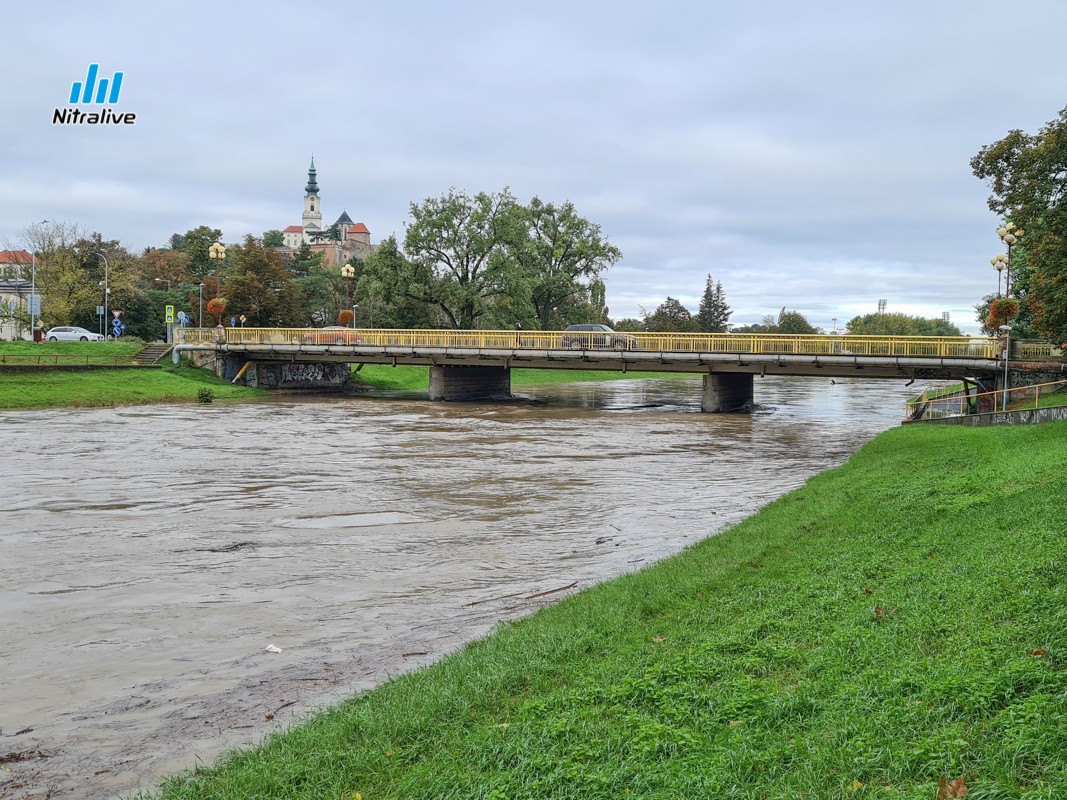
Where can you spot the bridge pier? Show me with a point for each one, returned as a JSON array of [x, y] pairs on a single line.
[[726, 391], [470, 383]]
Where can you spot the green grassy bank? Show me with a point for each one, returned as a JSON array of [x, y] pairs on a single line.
[[61, 388], [896, 620], [416, 379], [44, 387], [112, 387]]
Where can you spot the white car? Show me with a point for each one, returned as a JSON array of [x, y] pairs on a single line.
[[70, 333]]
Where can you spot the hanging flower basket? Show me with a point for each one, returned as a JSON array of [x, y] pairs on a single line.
[[217, 305], [1001, 311]]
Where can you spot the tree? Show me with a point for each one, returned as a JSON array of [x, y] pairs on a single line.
[[900, 325], [794, 322], [273, 238], [671, 317], [195, 244], [394, 292], [1028, 178], [714, 313], [461, 240], [628, 324], [304, 261], [260, 287], [560, 256], [786, 322]]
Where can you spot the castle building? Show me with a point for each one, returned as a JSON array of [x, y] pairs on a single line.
[[352, 239]]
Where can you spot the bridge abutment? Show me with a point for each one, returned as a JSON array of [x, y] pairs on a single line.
[[726, 391], [470, 383]]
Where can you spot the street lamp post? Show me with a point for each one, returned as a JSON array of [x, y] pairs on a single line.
[[348, 273], [1006, 330], [999, 262], [163, 280], [200, 315], [33, 293], [1010, 235], [217, 252], [107, 292], [835, 326], [33, 286]]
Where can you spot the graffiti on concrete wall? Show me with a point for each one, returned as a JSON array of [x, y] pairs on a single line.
[[297, 376]]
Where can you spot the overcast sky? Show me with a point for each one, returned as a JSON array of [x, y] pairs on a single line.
[[808, 155]]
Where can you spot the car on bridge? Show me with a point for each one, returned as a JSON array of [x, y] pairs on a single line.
[[334, 334], [597, 337]]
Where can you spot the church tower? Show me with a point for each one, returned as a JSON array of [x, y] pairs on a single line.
[[312, 216]]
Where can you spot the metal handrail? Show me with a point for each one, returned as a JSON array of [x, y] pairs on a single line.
[[756, 343], [57, 359], [960, 403]]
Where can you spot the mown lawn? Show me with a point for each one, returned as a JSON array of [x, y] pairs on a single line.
[[897, 620], [112, 387], [415, 379], [69, 352]]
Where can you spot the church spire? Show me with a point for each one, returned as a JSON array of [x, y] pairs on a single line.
[[313, 186]]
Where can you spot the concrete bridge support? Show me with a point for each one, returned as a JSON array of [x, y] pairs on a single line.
[[470, 383], [726, 391]]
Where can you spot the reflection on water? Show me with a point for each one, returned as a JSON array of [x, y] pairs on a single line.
[[152, 554]]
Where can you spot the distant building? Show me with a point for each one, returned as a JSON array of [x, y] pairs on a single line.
[[352, 238], [15, 286]]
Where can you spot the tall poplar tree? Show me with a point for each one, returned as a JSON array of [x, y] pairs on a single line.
[[714, 313]]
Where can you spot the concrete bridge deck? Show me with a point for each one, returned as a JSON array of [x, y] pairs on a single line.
[[728, 361]]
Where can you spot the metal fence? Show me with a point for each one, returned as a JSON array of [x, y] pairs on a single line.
[[824, 344], [939, 402]]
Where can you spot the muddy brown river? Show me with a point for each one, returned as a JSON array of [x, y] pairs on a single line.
[[150, 556]]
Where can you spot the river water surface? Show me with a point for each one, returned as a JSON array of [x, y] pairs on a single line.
[[151, 555]]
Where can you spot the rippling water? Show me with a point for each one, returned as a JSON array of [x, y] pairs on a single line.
[[151, 554]]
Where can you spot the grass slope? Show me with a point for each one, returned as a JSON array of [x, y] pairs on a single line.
[[414, 379], [895, 620], [107, 387], [78, 352]]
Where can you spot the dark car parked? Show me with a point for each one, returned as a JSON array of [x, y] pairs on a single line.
[[597, 337]]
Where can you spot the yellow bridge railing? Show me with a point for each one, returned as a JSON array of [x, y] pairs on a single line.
[[761, 343]]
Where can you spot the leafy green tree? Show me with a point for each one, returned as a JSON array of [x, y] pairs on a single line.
[[195, 243], [273, 238], [305, 260], [394, 292], [323, 294], [462, 241], [786, 322], [1028, 178], [900, 325], [671, 317], [714, 313], [794, 322], [629, 324], [259, 287], [560, 256]]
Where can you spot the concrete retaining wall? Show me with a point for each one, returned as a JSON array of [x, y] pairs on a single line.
[[1030, 416]]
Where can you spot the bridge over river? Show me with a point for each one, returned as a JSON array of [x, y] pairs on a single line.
[[475, 365]]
